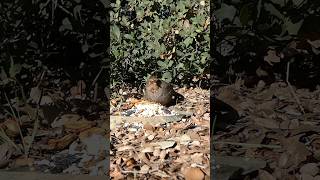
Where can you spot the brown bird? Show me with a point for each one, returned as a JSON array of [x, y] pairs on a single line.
[[159, 91]]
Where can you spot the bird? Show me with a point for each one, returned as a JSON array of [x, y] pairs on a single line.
[[159, 91], [223, 115]]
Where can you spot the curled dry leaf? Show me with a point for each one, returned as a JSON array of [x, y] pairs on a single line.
[[130, 162], [272, 57], [11, 127]]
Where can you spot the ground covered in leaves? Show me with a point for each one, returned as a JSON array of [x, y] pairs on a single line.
[[149, 141], [57, 131], [277, 136]]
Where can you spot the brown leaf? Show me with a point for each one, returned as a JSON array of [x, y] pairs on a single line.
[[310, 169], [62, 143], [265, 175], [267, 123], [78, 126], [193, 174], [11, 127], [92, 131]]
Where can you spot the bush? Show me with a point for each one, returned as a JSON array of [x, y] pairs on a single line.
[[170, 37]]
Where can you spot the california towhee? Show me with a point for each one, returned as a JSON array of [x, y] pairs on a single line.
[[159, 91]]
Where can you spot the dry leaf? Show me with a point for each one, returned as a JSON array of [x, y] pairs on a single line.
[[193, 174], [267, 123], [264, 175], [62, 143], [310, 169], [92, 131], [11, 127]]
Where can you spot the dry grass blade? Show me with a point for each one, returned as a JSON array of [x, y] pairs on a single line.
[[292, 91], [4, 138], [16, 118]]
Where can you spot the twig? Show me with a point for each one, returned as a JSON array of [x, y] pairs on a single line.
[[97, 76], [249, 145], [35, 125], [65, 10], [17, 121], [95, 95], [292, 90], [36, 121]]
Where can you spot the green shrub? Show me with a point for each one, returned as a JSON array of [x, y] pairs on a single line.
[[168, 36]]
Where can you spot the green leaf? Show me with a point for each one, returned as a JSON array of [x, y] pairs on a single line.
[[204, 57], [225, 12], [273, 11], [128, 36], [180, 66], [14, 69], [3, 76], [140, 14], [124, 21], [188, 41], [105, 3], [66, 25], [161, 63], [292, 28], [115, 32], [167, 76], [245, 14], [170, 63]]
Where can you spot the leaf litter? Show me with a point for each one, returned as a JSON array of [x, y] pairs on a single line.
[[61, 133], [273, 131], [150, 141]]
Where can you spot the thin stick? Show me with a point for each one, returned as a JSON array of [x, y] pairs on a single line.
[[292, 90], [35, 125], [97, 76], [248, 145], [95, 95], [36, 121], [17, 121]]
